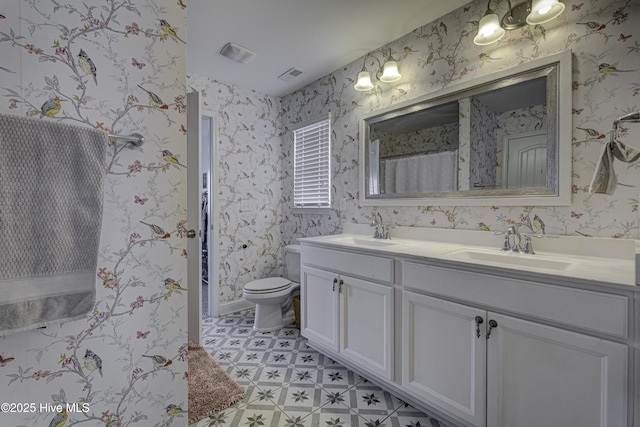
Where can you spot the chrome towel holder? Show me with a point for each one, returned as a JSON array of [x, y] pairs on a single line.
[[631, 117], [135, 138]]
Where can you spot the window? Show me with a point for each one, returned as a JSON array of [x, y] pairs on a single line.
[[312, 165]]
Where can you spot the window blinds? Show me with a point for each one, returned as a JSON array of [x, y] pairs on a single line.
[[312, 165]]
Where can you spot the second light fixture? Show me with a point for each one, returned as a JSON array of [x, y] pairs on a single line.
[[386, 73], [531, 12]]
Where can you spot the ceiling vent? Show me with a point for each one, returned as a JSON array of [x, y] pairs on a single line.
[[290, 74], [237, 53]]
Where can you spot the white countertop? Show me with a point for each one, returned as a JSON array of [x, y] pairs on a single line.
[[590, 260]]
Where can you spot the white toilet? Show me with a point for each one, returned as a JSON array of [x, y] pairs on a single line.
[[273, 295]]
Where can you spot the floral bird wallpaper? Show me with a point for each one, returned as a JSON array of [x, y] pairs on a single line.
[[253, 131], [247, 241], [603, 37], [119, 66]]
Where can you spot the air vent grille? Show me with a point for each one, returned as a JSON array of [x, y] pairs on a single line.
[[290, 74]]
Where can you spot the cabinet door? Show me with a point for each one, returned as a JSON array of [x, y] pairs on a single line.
[[443, 358], [543, 376], [319, 313], [366, 329]]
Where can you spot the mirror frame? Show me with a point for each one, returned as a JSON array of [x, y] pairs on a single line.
[[557, 69]]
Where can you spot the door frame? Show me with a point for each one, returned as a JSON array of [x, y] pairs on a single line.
[[194, 219], [213, 190]]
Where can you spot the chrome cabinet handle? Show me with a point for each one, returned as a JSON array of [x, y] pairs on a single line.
[[478, 323], [492, 324], [340, 286], [335, 280]]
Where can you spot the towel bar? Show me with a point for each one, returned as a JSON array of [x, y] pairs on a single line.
[[135, 138]]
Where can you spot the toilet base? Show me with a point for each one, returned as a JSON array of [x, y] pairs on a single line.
[[269, 318]]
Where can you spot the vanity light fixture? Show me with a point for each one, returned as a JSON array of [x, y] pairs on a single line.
[[544, 11], [386, 73], [532, 12]]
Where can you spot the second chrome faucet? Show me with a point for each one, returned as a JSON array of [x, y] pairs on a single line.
[[513, 241], [381, 231]]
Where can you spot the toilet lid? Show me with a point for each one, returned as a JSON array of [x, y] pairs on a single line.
[[270, 284]]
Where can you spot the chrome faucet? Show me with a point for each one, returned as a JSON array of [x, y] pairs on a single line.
[[517, 245], [513, 231], [381, 231]]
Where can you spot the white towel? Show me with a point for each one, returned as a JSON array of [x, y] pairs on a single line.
[[604, 178], [51, 195]]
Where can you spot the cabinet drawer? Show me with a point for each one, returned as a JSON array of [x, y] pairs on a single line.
[[595, 311], [368, 266]]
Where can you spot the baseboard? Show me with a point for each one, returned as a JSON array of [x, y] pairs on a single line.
[[232, 307]]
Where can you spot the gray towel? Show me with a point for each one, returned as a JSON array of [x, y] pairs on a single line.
[[604, 178], [51, 193]]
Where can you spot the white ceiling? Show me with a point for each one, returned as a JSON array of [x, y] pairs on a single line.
[[315, 36]]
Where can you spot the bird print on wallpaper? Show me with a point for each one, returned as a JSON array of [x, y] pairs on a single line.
[[592, 26], [154, 100], [539, 31], [431, 57], [157, 232], [172, 285], [408, 51], [92, 362], [51, 107], [169, 30], [605, 69], [87, 66], [442, 28], [591, 134], [159, 361], [538, 224], [171, 159], [485, 57], [483, 227], [173, 410], [60, 419]]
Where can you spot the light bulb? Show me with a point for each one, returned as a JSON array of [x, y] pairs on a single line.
[[390, 73], [489, 29], [364, 81], [544, 11]]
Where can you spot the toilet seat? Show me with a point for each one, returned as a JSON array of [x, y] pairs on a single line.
[[267, 286]]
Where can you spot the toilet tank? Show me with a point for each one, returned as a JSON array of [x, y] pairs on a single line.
[[292, 263]]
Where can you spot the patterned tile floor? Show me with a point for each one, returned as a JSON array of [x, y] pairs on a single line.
[[289, 384]]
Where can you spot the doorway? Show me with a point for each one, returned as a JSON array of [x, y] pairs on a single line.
[[525, 160], [206, 205]]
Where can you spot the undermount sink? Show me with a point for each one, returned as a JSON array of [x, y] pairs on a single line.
[[511, 259], [363, 241]]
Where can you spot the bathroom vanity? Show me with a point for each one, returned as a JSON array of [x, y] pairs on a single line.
[[477, 336]]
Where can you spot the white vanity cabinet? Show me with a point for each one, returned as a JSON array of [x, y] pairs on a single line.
[[349, 315], [492, 369], [475, 345], [541, 375], [495, 370], [319, 317], [444, 355]]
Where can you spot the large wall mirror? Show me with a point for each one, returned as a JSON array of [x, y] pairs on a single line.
[[503, 139]]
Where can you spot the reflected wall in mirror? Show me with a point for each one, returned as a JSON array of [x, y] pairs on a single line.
[[499, 140]]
